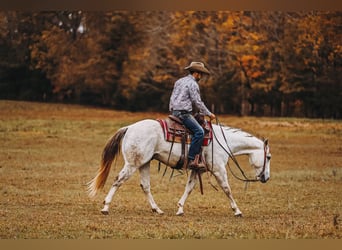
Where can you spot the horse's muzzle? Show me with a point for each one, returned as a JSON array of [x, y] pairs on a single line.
[[263, 179]]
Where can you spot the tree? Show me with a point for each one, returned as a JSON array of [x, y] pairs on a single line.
[[312, 62], [261, 62], [17, 79]]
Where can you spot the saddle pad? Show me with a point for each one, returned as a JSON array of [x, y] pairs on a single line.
[[173, 132]]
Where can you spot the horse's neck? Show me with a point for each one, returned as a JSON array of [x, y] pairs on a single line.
[[241, 142]]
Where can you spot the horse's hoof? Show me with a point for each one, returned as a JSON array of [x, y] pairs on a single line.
[[238, 215], [104, 212], [180, 212], [158, 211]]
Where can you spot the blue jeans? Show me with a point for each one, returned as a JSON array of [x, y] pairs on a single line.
[[197, 132]]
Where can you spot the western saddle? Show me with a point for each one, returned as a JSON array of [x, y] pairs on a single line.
[[176, 132]]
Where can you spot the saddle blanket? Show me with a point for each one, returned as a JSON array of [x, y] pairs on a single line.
[[174, 131]]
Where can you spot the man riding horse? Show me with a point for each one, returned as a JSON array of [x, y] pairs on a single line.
[[185, 95]]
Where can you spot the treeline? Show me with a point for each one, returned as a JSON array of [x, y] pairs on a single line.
[[262, 63]]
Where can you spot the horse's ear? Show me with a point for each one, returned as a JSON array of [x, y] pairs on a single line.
[[266, 141]]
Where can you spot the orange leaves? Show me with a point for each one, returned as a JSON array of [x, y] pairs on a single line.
[[118, 51], [228, 24], [251, 65], [248, 59]]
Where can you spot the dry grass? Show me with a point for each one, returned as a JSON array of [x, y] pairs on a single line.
[[48, 152]]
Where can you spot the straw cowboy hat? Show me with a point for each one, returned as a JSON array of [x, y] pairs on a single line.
[[197, 66]]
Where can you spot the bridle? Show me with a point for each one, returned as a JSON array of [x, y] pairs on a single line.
[[265, 159], [231, 155]]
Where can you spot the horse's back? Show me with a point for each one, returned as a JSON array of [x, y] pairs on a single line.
[[142, 137], [144, 126]]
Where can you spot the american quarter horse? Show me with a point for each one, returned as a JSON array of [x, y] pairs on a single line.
[[144, 141]]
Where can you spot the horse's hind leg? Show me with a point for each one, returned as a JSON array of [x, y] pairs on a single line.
[[126, 172], [146, 187]]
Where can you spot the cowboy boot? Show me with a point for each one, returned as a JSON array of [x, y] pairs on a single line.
[[196, 164]]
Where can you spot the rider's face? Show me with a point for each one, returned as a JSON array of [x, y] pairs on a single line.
[[198, 76]]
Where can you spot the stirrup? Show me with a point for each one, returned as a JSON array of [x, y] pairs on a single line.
[[196, 164]]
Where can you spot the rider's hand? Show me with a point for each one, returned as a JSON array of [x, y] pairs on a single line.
[[212, 117]]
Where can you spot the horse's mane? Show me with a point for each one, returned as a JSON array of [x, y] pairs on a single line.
[[237, 130]]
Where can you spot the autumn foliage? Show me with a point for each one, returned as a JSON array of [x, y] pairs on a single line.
[[262, 63]]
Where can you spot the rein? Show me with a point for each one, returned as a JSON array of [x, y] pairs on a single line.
[[231, 155]]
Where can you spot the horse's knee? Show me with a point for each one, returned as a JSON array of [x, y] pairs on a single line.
[[145, 189], [226, 190]]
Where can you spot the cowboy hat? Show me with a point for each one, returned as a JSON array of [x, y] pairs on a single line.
[[198, 67]]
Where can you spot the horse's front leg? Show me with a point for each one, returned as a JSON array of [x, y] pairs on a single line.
[[221, 177], [146, 187], [188, 189]]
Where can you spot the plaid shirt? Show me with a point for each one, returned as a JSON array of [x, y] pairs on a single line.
[[185, 94]]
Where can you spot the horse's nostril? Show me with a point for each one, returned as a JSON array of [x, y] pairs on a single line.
[[263, 179]]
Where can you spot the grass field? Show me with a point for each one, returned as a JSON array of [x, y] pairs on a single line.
[[48, 152]]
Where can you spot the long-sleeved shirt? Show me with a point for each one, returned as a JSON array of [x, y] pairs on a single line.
[[185, 94]]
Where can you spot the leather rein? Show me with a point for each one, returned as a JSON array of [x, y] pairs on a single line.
[[231, 155]]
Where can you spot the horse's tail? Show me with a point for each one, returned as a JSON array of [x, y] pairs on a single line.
[[110, 151]]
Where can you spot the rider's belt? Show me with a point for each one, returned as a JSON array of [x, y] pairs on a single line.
[[181, 112]]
